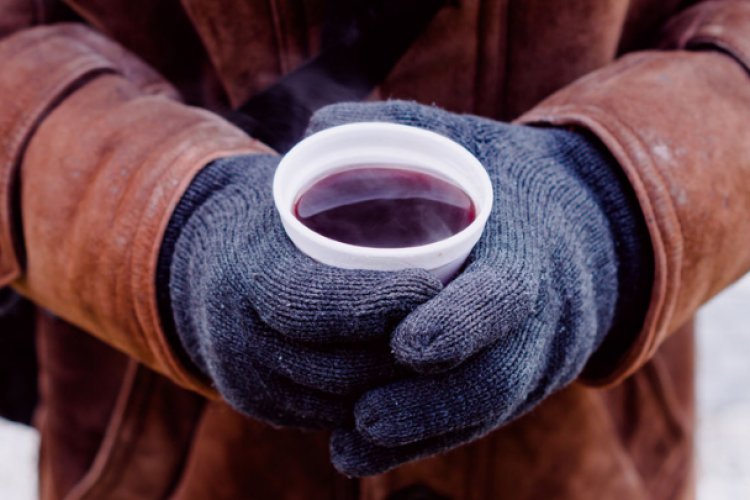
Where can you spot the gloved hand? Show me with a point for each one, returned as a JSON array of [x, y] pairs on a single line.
[[536, 298], [283, 338]]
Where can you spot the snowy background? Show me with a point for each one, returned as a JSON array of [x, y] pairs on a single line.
[[723, 398], [724, 395]]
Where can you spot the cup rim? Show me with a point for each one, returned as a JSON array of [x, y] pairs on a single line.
[[349, 252]]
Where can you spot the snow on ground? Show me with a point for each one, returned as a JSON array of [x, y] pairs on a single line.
[[18, 454], [723, 395]]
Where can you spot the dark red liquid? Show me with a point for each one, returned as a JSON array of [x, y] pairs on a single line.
[[384, 207]]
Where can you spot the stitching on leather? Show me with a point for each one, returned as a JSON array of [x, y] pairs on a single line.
[[147, 317], [110, 438], [124, 446], [657, 378]]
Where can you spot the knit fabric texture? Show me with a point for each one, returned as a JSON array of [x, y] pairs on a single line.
[[535, 300], [398, 367], [283, 338]]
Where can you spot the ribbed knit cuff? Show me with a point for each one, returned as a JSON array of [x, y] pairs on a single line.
[[214, 177], [598, 169]]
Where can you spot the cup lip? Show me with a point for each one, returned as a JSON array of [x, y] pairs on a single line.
[[355, 254]]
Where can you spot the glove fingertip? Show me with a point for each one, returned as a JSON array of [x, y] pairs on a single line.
[[425, 342], [419, 352], [471, 313], [344, 455], [354, 456]]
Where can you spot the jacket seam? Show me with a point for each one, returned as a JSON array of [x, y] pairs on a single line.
[[148, 315]]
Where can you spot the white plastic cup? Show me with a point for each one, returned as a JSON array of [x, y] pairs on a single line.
[[373, 143]]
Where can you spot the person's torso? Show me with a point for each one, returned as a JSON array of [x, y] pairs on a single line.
[[127, 433]]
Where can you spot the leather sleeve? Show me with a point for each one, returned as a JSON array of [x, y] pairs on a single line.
[[100, 150], [16, 15], [677, 120]]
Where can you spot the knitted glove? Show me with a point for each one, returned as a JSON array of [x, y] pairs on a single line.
[[536, 298], [283, 338]]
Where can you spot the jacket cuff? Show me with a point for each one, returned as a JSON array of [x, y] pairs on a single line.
[[101, 168], [676, 122], [38, 67]]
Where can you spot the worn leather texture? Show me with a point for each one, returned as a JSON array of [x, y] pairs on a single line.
[[90, 454], [96, 197], [673, 119], [69, 65]]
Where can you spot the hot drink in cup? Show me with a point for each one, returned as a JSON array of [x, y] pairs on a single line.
[[383, 196], [384, 206]]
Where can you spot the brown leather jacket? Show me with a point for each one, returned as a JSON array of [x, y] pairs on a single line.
[[96, 147]]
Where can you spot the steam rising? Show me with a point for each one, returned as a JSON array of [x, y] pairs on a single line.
[[385, 206]]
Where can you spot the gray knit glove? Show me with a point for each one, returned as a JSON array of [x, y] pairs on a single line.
[[536, 298], [283, 338]]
